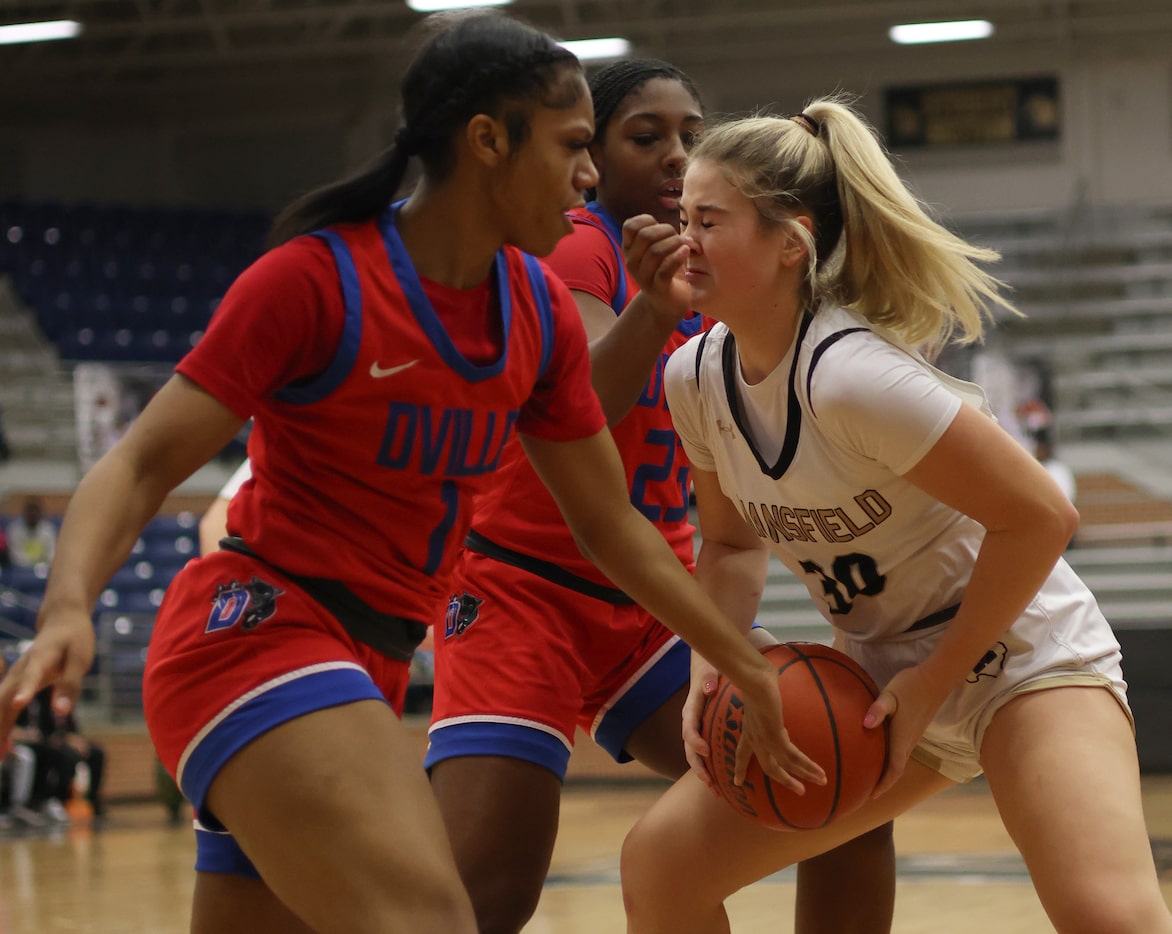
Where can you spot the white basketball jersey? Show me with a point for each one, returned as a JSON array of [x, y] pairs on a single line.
[[813, 458]]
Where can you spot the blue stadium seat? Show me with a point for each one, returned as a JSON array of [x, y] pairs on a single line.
[[139, 601], [26, 580]]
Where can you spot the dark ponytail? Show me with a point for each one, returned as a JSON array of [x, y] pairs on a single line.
[[477, 62], [357, 197]]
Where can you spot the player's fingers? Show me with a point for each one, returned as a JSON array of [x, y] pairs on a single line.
[[699, 765], [11, 701], [651, 246], [673, 263], [883, 707], [68, 687], [769, 763], [664, 241], [632, 226], [66, 693], [789, 760], [28, 676], [693, 740], [802, 767]]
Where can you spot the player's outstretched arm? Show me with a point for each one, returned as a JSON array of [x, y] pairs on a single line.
[[586, 479], [181, 429]]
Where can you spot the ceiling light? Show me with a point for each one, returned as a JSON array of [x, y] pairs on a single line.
[[39, 32], [431, 6], [913, 33], [592, 50]]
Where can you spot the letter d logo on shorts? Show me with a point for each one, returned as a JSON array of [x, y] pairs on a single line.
[[248, 604], [463, 608]]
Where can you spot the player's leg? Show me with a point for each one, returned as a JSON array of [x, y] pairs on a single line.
[[502, 820], [865, 865], [334, 811], [507, 692], [226, 903], [690, 851], [1062, 766], [282, 731]]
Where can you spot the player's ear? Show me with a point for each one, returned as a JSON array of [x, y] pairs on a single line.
[[488, 140], [794, 249]]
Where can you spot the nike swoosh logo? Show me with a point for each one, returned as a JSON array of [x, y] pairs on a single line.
[[378, 372]]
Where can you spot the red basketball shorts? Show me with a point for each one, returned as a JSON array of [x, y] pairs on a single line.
[[522, 661], [238, 649]]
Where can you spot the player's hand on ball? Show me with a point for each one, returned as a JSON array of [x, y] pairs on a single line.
[[696, 748], [763, 734], [908, 701]]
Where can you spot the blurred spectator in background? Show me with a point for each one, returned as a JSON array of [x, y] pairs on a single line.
[[5, 555], [17, 770], [59, 746], [32, 538]]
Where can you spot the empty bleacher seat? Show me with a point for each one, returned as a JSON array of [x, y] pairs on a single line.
[[157, 269], [26, 580]]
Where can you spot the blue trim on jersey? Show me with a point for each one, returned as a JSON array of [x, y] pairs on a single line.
[[283, 702], [219, 852], [646, 696], [544, 309], [425, 314], [332, 377], [512, 740], [692, 326], [614, 233]]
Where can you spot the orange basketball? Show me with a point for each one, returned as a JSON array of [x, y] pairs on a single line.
[[824, 696]]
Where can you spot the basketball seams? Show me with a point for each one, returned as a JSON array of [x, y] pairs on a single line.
[[856, 671], [804, 659], [828, 709]]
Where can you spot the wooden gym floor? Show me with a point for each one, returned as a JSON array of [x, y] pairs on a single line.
[[958, 871]]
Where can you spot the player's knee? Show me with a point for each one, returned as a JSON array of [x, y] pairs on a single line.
[[504, 906], [1102, 905], [644, 872], [440, 908]]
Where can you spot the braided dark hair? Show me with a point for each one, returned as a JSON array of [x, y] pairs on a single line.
[[471, 63], [610, 86]]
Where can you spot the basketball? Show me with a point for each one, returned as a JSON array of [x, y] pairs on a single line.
[[824, 696]]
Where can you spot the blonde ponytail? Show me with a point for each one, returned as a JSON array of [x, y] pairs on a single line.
[[892, 263]]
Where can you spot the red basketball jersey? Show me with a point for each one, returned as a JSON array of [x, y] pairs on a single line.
[[518, 513], [365, 468]]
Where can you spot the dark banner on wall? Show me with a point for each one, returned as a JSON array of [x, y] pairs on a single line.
[[977, 113]]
